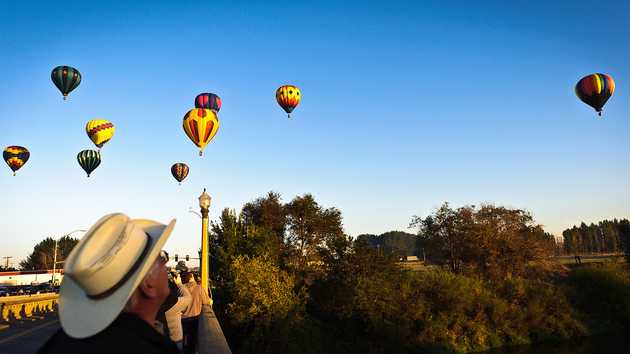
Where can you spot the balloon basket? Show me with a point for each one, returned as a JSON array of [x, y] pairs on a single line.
[[65, 97]]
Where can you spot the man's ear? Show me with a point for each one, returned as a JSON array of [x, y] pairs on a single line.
[[148, 286]]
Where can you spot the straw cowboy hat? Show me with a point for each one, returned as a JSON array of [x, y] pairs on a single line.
[[105, 268]]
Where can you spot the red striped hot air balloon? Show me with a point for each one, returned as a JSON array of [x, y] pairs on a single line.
[[208, 101], [201, 125], [595, 90]]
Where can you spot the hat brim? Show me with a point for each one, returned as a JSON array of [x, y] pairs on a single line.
[[82, 316]]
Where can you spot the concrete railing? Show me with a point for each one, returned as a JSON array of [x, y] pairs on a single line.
[[16, 307], [211, 338]]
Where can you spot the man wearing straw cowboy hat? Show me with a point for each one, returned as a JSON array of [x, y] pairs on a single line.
[[115, 282]]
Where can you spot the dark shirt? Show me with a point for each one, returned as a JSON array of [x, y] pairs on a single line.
[[127, 334]]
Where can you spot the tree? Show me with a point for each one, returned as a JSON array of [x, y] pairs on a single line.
[[310, 227], [262, 292], [605, 236], [399, 243], [495, 241], [624, 233], [43, 253], [442, 234]]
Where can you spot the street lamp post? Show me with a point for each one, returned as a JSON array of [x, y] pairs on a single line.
[[55, 255], [204, 205]]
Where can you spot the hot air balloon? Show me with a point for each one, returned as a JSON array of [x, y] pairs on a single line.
[[89, 160], [208, 101], [15, 157], [595, 90], [201, 125], [66, 78], [288, 97], [99, 131], [179, 171]]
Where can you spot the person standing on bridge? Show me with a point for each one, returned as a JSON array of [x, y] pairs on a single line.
[[115, 282], [190, 318]]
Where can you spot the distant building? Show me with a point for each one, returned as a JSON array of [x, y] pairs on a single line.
[[30, 277]]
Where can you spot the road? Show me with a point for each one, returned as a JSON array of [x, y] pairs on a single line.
[[28, 335]]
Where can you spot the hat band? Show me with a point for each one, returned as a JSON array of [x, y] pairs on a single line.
[[130, 272]]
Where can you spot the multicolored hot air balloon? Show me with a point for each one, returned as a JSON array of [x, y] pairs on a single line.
[[288, 97], [179, 171], [595, 90], [15, 157], [66, 78], [208, 101], [89, 160], [201, 125], [99, 131]]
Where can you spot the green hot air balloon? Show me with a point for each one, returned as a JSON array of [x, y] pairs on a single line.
[[89, 160], [66, 78]]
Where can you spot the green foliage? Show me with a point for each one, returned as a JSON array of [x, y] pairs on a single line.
[[438, 310], [602, 294], [261, 292], [290, 281], [42, 256]]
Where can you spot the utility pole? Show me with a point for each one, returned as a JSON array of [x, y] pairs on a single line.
[[7, 258], [52, 282]]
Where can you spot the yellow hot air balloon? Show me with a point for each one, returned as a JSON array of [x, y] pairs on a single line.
[[201, 125], [288, 97], [99, 131]]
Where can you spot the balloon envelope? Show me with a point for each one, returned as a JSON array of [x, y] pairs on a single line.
[[89, 160], [179, 171], [66, 78], [595, 90], [15, 156], [100, 131], [288, 97], [208, 101], [201, 125]]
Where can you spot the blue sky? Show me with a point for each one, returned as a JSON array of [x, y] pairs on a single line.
[[405, 105]]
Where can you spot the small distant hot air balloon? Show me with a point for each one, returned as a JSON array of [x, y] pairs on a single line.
[[595, 90], [99, 131], [288, 97], [208, 101], [66, 78], [89, 160], [15, 157], [201, 125], [179, 171]]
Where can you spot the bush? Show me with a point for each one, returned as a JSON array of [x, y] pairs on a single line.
[[261, 292], [602, 295]]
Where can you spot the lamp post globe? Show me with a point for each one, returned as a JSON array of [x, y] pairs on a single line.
[[204, 200]]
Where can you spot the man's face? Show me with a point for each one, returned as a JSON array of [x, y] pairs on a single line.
[[162, 279]]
